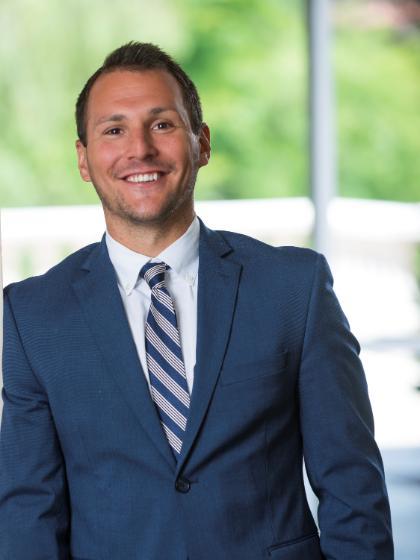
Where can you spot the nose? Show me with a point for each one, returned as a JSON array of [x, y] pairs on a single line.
[[141, 145]]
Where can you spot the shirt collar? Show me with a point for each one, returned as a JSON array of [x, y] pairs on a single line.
[[181, 256]]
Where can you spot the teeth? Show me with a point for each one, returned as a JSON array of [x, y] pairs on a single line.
[[142, 178]]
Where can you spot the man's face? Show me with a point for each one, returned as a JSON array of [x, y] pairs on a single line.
[[141, 153]]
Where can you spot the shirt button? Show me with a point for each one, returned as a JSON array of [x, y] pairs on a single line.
[[182, 485]]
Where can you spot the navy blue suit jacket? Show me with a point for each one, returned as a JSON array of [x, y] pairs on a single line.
[[86, 472]]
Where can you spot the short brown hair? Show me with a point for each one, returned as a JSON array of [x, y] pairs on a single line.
[[139, 57]]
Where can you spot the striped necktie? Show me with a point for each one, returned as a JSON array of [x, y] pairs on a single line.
[[168, 382]]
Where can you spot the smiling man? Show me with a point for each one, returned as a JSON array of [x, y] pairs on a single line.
[[162, 387]]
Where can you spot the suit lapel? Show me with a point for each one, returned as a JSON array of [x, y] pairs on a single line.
[[99, 297], [218, 280]]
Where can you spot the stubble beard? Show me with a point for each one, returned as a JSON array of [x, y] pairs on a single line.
[[125, 213]]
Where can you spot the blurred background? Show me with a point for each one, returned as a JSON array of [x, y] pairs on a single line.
[[252, 62]]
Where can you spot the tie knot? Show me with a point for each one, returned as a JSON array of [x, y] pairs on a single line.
[[154, 274]]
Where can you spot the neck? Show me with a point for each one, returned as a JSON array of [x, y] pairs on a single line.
[[148, 239]]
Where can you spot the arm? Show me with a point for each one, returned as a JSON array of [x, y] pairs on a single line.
[[34, 522], [343, 462]]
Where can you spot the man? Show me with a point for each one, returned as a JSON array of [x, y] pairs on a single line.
[[161, 387]]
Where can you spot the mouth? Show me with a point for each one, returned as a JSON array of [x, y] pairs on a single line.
[[143, 178]]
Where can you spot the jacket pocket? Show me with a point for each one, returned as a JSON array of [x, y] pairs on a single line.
[[305, 548], [236, 373]]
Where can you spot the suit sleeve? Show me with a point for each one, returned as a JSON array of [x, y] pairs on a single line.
[[343, 462], [34, 522]]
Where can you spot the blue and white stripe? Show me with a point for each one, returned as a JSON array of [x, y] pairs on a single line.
[[165, 363]]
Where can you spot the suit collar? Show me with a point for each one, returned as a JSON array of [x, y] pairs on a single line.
[[97, 291], [218, 281]]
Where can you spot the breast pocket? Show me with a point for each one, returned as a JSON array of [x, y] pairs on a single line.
[[254, 370]]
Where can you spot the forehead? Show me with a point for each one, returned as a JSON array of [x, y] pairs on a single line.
[[126, 89]]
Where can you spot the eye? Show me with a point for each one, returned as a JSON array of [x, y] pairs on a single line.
[[162, 126], [115, 131]]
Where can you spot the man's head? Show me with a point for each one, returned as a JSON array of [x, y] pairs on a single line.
[[140, 57], [141, 140]]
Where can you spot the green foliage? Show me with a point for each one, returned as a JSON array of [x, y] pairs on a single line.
[[379, 120], [248, 59]]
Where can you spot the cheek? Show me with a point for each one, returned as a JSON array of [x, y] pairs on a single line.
[[183, 153], [189, 159], [104, 157]]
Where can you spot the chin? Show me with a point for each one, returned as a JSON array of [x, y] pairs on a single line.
[[144, 217], [149, 214]]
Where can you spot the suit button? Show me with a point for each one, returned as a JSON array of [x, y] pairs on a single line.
[[183, 485]]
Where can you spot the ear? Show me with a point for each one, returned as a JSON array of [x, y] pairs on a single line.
[[82, 161], [205, 148]]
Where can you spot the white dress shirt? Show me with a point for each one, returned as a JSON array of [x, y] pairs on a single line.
[[181, 281]]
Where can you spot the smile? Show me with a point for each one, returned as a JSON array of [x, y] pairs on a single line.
[[143, 177]]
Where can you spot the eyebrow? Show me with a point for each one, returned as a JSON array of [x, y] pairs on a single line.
[[119, 117], [110, 118]]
